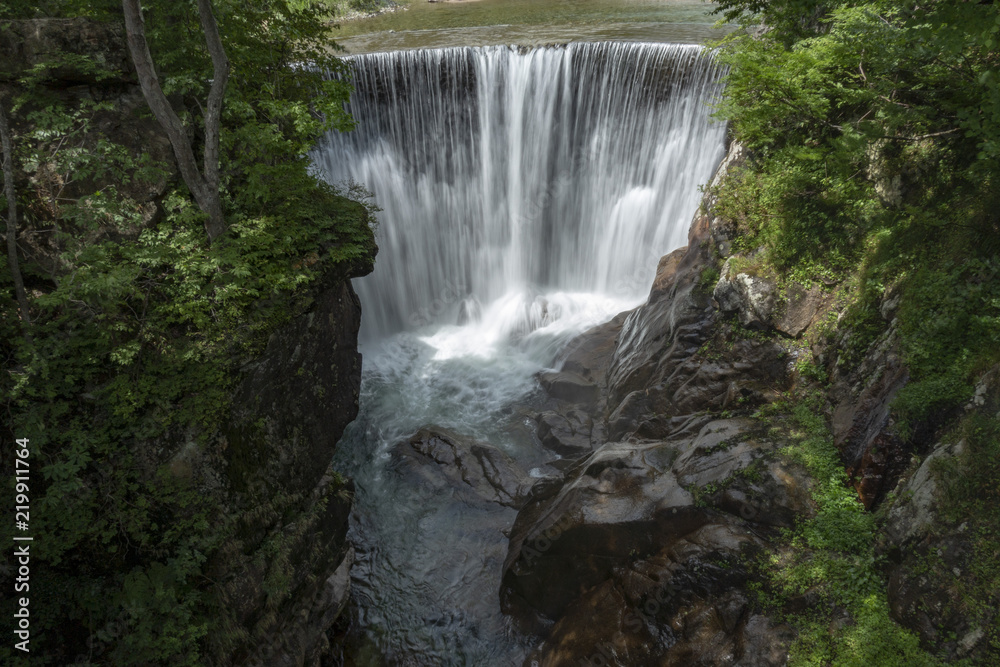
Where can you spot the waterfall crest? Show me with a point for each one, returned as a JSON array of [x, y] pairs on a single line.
[[500, 171]]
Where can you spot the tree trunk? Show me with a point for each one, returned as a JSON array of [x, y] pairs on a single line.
[[213, 114], [9, 192], [204, 187]]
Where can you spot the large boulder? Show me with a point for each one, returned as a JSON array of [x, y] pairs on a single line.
[[569, 421], [568, 432], [640, 524], [752, 298], [474, 471]]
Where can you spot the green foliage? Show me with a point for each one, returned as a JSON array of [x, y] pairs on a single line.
[[140, 327], [873, 135], [29, 9], [788, 19], [951, 327], [832, 556], [335, 8]]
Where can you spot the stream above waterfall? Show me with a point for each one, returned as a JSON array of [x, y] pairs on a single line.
[[527, 194], [530, 23]]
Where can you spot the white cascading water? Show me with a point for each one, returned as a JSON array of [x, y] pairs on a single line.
[[566, 169], [527, 195]]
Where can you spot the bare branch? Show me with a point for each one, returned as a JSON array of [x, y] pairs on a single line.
[[220, 76], [204, 187]]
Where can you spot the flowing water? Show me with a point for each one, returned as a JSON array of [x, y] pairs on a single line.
[[527, 195], [530, 22]]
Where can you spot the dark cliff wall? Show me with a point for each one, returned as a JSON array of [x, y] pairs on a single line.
[[289, 411], [735, 447]]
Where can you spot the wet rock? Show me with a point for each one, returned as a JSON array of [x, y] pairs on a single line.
[[589, 354], [567, 434], [681, 606], [768, 492], [666, 273], [625, 501], [570, 387], [749, 371], [862, 422], [609, 507], [475, 471], [634, 556], [656, 370], [716, 453]]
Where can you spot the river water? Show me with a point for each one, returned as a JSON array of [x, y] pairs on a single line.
[[528, 194], [530, 23]]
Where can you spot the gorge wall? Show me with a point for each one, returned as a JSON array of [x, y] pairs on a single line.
[[661, 540]]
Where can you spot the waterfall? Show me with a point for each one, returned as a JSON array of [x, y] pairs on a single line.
[[505, 174], [527, 195]]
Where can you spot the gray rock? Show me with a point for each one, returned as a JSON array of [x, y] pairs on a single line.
[[862, 419], [626, 500], [566, 433], [752, 298], [799, 309], [475, 471], [569, 387], [914, 513], [297, 644], [719, 450]]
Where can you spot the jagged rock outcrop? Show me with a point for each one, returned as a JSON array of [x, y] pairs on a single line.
[[568, 427], [761, 303], [752, 298], [863, 428], [932, 554], [289, 411], [658, 368], [637, 554], [644, 545]]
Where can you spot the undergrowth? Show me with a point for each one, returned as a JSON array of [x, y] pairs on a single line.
[[830, 561]]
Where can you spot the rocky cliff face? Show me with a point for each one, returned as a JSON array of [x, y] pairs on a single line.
[[639, 554], [287, 576], [644, 551]]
